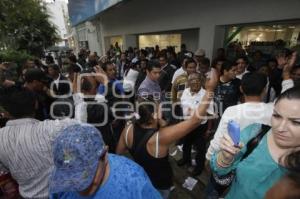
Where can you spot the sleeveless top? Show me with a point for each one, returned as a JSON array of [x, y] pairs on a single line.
[[158, 169]]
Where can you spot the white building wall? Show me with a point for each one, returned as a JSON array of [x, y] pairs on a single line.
[[144, 16], [55, 10], [139, 16], [92, 37]]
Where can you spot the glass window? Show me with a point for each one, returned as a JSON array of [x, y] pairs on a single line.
[[289, 33], [163, 40]]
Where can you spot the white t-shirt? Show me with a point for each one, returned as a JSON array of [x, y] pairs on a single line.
[[189, 101], [240, 76], [177, 73], [244, 114]]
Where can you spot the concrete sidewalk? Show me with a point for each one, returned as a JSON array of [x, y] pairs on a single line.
[[180, 174]]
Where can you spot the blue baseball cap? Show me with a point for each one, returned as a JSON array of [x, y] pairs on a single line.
[[76, 152]]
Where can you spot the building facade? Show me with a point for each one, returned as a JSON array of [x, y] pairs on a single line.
[[197, 23]]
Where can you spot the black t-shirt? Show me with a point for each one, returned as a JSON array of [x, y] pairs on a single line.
[[275, 80], [165, 78], [227, 94], [101, 118]]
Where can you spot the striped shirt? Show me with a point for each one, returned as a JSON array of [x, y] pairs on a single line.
[[178, 87], [25, 151]]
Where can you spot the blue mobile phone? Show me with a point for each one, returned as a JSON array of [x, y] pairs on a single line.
[[234, 132]]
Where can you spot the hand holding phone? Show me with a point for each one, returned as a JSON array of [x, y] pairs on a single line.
[[234, 132]]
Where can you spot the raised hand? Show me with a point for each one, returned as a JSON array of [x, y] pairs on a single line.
[[288, 65], [212, 80], [100, 75], [228, 150]]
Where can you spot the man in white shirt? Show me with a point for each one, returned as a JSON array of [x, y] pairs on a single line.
[[182, 69], [190, 100]]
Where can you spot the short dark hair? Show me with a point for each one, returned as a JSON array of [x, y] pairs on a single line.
[[205, 61], [144, 52], [105, 65], [74, 67], [215, 61], [146, 108], [190, 60], [292, 162], [253, 84], [18, 102], [243, 58], [72, 58], [163, 55], [35, 74], [86, 85], [227, 65], [151, 65], [54, 67]]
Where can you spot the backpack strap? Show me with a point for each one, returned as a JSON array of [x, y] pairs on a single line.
[[253, 143], [157, 145], [126, 134]]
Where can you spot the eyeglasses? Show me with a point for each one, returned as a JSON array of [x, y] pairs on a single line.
[[194, 81]]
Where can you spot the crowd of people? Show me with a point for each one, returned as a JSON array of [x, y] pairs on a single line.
[[65, 127]]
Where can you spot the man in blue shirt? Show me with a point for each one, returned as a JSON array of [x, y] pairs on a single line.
[[84, 169], [150, 86]]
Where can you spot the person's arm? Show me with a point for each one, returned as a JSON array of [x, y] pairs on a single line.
[[79, 104], [221, 130], [186, 110], [100, 76], [287, 81], [170, 134], [229, 156], [8, 83], [287, 65], [286, 73]]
